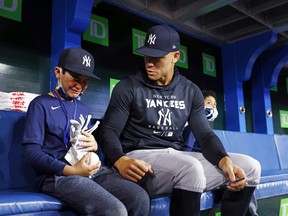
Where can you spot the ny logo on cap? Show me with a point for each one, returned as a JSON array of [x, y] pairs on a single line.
[[151, 39], [86, 61]]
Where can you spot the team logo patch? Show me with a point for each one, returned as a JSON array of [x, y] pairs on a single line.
[[151, 39], [86, 61]]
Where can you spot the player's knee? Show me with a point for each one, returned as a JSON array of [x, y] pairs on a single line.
[[256, 170], [252, 169], [191, 177]]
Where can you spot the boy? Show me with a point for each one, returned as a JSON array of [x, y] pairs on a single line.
[[47, 140]]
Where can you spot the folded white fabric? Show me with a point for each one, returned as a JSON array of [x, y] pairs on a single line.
[[16, 101], [75, 153]]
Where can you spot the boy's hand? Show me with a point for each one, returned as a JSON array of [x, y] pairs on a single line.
[[82, 168]]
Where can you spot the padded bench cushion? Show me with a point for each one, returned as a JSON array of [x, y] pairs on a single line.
[[282, 149], [259, 146], [270, 189], [14, 173], [269, 176], [21, 202]]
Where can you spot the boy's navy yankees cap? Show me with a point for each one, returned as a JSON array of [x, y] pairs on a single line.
[[160, 40], [77, 60]]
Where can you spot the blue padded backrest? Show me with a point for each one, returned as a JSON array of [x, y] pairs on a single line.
[[13, 171], [259, 146], [282, 148]]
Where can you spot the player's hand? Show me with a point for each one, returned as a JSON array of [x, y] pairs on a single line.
[[132, 169], [235, 175]]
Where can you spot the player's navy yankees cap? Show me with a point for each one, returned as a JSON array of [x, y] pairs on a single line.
[[77, 60], [160, 40]]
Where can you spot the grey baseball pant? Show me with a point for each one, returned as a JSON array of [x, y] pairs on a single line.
[[190, 170]]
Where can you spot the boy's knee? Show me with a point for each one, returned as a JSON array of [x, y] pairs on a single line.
[[118, 209], [140, 204]]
